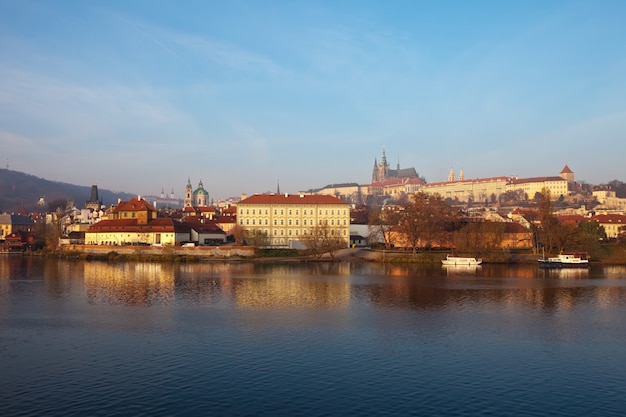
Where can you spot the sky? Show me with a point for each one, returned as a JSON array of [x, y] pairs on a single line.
[[140, 96]]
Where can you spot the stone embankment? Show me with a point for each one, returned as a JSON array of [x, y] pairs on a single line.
[[153, 251]]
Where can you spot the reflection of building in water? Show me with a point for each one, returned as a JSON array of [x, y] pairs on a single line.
[[129, 283], [277, 293]]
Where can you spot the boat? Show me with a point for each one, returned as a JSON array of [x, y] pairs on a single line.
[[565, 260], [459, 260]]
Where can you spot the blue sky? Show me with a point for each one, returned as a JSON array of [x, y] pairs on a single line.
[[138, 96]]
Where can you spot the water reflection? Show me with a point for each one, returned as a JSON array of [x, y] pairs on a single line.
[[250, 285], [139, 284], [461, 269]]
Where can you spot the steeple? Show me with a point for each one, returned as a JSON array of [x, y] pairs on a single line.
[[461, 176], [188, 194], [277, 186], [451, 175], [398, 168], [383, 161]]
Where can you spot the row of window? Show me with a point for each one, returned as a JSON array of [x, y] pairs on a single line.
[[296, 232], [291, 222], [297, 212]]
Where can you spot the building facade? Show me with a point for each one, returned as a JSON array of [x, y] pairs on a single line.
[[557, 186], [476, 190], [286, 220]]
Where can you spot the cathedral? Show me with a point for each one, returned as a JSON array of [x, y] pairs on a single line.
[[382, 171], [196, 198]]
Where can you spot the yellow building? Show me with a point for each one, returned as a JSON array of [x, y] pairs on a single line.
[[286, 220], [11, 223], [476, 190], [135, 222], [557, 186]]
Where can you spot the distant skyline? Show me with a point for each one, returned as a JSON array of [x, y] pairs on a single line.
[[139, 96]]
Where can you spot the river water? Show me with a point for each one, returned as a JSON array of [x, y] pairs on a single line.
[[345, 339]]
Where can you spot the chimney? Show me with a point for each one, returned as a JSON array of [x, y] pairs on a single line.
[[243, 196]]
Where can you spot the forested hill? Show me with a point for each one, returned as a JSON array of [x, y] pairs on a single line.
[[18, 189]]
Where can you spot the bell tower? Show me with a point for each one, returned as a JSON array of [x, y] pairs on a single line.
[[188, 194]]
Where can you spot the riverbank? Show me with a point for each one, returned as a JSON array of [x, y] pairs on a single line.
[[614, 254]]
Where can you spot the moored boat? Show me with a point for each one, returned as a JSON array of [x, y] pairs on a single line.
[[459, 260], [565, 260]]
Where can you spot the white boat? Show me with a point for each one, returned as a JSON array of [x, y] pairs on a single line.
[[458, 260], [565, 260]]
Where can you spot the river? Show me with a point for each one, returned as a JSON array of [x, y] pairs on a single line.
[[322, 339]]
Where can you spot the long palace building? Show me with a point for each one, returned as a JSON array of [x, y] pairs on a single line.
[[287, 219]]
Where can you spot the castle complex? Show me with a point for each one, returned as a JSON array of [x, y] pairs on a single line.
[[382, 171]]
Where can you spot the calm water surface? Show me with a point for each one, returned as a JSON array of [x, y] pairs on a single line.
[[92, 338]]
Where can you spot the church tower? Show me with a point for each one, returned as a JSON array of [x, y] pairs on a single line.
[[381, 170], [188, 194], [451, 175]]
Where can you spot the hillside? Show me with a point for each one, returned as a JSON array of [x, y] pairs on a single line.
[[18, 189]]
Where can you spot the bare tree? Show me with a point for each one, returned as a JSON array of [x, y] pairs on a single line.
[[239, 233], [256, 238], [382, 222], [324, 239], [424, 220]]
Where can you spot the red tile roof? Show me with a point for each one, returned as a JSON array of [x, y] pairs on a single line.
[[130, 225], [535, 179], [134, 204], [610, 218], [566, 170], [477, 180], [291, 199]]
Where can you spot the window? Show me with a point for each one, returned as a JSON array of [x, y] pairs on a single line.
[[297, 222], [267, 221], [282, 212], [290, 212], [247, 221], [304, 222], [275, 211], [289, 232], [247, 211], [275, 222], [289, 222], [282, 222], [332, 212], [253, 211]]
